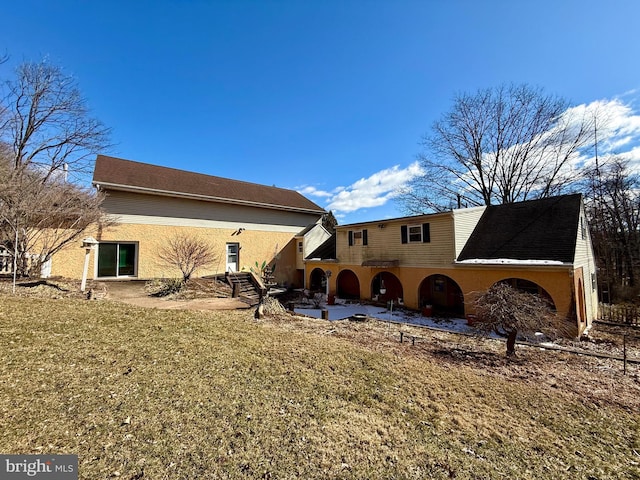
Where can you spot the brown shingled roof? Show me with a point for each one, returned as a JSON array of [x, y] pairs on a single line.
[[119, 174]]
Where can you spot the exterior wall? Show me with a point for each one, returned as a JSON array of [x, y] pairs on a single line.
[[150, 221], [255, 246], [299, 252], [310, 241], [385, 243], [584, 262], [130, 207], [69, 262], [449, 233], [557, 281]]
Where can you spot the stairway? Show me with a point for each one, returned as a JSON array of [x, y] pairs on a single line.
[[245, 287]]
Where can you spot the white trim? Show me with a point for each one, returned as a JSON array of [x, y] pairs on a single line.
[[194, 222], [118, 243], [409, 227]]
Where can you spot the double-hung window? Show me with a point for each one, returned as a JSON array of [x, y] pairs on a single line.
[[417, 233]]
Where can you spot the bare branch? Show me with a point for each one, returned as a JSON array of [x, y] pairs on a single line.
[[47, 123], [187, 253], [509, 311], [500, 145]]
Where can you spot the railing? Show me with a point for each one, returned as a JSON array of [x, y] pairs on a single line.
[[236, 279], [623, 313]]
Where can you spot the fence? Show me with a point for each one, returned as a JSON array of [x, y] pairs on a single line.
[[6, 261], [6, 264], [623, 313]]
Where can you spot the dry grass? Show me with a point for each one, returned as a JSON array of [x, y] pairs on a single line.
[[143, 393]]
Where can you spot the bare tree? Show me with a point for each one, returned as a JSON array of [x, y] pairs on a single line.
[[187, 253], [38, 219], [614, 209], [47, 124], [507, 311], [498, 145], [46, 135]]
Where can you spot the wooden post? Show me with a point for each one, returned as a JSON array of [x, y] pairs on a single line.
[[624, 354], [325, 314], [401, 336], [83, 284]]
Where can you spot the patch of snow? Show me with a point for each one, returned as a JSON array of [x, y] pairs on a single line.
[[345, 311], [508, 261]]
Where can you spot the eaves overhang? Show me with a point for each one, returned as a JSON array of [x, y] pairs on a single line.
[[205, 198]]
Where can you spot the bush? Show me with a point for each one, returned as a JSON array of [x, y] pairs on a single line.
[[167, 286]]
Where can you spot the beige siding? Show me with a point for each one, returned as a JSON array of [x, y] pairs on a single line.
[[465, 221], [385, 243], [585, 259], [314, 238], [311, 240], [136, 208]]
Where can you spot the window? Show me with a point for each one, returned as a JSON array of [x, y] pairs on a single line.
[[415, 233], [358, 237], [300, 247]]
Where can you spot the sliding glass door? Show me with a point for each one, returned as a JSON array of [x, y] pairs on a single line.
[[117, 259]]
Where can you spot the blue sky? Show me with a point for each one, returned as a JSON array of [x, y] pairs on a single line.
[[329, 97]]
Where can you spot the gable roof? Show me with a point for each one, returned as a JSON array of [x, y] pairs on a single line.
[[112, 173], [326, 250], [545, 229]]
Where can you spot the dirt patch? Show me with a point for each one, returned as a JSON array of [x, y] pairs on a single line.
[[200, 294]]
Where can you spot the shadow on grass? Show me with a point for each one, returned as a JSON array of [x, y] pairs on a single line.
[[38, 283]]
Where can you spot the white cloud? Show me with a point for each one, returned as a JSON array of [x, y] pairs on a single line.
[[373, 191], [313, 191], [617, 127], [618, 131]]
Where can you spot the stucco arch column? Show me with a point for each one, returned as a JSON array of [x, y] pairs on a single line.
[[558, 283]]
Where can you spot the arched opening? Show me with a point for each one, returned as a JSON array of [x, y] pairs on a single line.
[[530, 287], [317, 280], [443, 294], [385, 286], [348, 285]]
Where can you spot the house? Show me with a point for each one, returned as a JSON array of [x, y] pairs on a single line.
[[442, 261], [246, 223]]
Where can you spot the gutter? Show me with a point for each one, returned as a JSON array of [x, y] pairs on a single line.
[[515, 265]]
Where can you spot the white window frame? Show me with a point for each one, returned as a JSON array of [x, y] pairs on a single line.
[[411, 237]]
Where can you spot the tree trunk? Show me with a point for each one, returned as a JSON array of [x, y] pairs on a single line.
[[511, 342]]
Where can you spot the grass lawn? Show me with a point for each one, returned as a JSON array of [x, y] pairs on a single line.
[[165, 394]]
